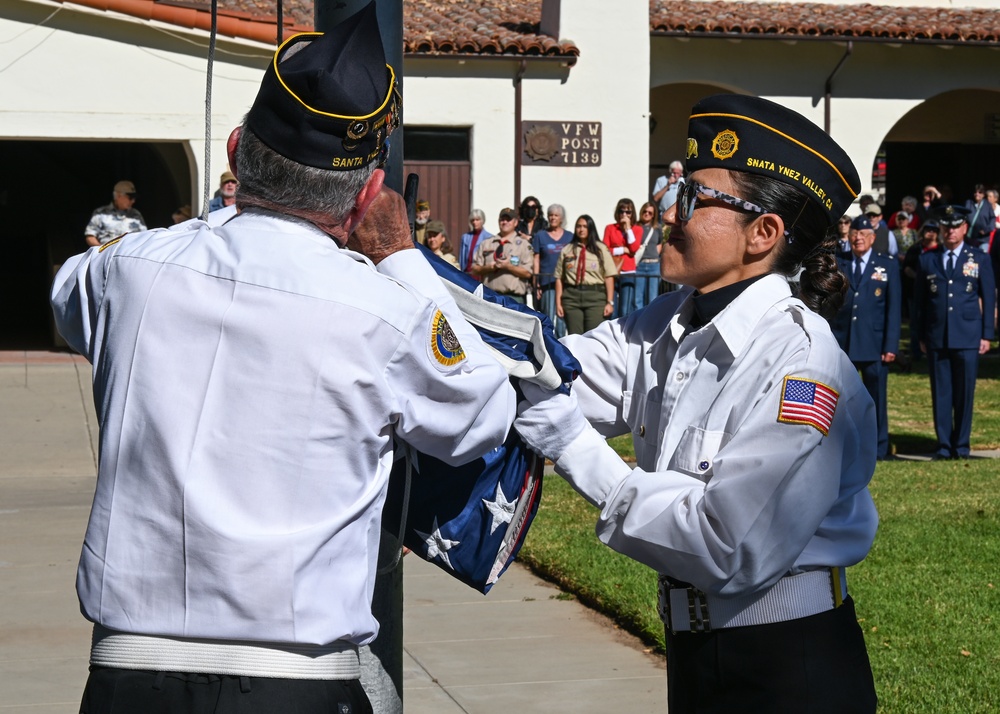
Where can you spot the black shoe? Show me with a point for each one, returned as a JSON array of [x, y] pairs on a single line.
[[941, 457]]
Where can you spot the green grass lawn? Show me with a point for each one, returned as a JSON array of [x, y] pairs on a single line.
[[927, 595]]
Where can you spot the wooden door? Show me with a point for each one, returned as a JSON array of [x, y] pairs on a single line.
[[448, 187]]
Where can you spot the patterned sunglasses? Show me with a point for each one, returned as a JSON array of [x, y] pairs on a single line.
[[688, 194]]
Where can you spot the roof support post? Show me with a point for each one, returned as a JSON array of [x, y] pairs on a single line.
[[828, 87], [521, 69], [382, 661]]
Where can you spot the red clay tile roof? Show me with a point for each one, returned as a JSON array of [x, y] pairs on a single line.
[[430, 27], [820, 21], [511, 27], [478, 27]]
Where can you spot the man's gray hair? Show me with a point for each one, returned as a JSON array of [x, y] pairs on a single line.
[[675, 165], [477, 213], [271, 181]]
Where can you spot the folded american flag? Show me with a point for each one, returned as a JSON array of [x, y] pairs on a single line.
[[470, 520]]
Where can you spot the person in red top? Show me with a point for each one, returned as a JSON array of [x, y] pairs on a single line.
[[623, 238]]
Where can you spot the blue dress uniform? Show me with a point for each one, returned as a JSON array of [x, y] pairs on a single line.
[[954, 314], [868, 326]]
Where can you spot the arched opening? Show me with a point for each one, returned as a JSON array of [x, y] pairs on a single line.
[[48, 190], [951, 141], [669, 109]]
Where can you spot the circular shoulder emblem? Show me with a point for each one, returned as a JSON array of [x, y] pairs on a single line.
[[444, 342], [725, 144]]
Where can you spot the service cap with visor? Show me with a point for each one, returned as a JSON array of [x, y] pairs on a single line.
[[952, 216]]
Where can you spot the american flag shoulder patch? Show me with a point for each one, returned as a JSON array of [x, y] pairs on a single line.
[[806, 401]]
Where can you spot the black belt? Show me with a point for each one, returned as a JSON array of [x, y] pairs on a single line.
[[586, 287]]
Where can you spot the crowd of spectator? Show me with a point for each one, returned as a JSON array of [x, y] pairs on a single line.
[[573, 272], [538, 256]]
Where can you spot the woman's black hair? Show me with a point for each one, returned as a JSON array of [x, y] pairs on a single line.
[[592, 239], [810, 244], [523, 208]]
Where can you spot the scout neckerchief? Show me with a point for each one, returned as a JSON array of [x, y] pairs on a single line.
[[581, 264]]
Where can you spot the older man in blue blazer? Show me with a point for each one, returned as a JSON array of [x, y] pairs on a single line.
[[955, 299], [867, 325]]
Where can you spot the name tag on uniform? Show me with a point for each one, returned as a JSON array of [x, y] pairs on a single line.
[[971, 268], [880, 275]]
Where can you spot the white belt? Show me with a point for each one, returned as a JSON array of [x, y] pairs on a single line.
[[687, 609], [337, 660]]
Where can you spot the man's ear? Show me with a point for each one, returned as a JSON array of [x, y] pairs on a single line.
[[231, 144], [366, 195], [764, 233]]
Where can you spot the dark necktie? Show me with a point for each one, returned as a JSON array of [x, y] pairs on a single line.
[[951, 262], [857, 271]]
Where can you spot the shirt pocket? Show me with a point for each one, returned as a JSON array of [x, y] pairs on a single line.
[[696, 451]]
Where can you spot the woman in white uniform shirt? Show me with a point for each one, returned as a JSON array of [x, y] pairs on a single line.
[[754, 437]]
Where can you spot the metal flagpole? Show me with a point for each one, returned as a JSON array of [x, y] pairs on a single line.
[[382, 661]]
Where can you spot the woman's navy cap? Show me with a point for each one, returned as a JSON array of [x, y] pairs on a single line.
[[753, 135], [329, 100]]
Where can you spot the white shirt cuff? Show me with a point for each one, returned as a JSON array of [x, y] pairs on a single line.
[[592, 467]]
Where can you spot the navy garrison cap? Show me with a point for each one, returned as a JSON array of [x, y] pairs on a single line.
[[749, 134], [329, 100], [951, 216]]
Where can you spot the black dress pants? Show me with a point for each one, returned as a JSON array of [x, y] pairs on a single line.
[[813, 665], [122, 691]]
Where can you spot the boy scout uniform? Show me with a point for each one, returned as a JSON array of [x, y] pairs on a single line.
[[517, 251], [583, 302]]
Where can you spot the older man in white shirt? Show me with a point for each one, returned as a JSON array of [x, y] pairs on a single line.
[[250, 378]]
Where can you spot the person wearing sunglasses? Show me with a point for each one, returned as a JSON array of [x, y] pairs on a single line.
[[623, 238], [754, 436], [530, 217], [647, 257], [844, 235], [115, 219]]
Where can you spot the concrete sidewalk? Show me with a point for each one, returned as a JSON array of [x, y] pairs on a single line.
[[520, 648]]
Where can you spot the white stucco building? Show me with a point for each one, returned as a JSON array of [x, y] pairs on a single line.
[[93, 91]]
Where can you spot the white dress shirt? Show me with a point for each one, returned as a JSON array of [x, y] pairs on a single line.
[[725, 495], [249, 378]]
